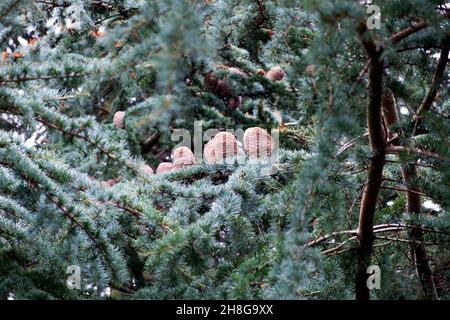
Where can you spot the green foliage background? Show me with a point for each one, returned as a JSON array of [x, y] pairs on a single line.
[[233, 231]]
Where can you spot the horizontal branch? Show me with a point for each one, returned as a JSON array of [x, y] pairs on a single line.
[[397, 37], [74, 134], [402, 149], [428, 243], [55, 199], [35, 78], [148, 143], [386, 227], [404, 190]]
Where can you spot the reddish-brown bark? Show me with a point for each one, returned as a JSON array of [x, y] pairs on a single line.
[[376, 164], [420, 258]]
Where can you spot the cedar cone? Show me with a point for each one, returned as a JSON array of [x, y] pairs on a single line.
[[225, 146], [164, 167], [257, 142], [275, 74], [118, 119]]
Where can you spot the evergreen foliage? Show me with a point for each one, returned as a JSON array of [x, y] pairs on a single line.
[[363, 121]]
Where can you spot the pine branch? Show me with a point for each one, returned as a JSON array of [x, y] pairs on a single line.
[[437, 79], [396, 38], [10, 9], [150, 142], [381, 228], [409, 150], [57, 199], [399, 36], [35, 78], [404, 190], [52, 5], [74, 134], [422, 24]]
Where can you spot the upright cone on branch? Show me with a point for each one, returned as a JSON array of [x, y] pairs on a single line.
[[146, 170], [183, 156], [257, 143], [210, 81], [276, 74], [118, 119], [109, 183], [209, 153], [232, 70], [225, 146], [269, 32], [261, 72], [235, 102], [214, 84], [221, 87], [164, 167]]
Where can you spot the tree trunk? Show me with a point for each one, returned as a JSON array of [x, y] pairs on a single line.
[[376, 164], [365, 226], [420, 258], [413, 206]]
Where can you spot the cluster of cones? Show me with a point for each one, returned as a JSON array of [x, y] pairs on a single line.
[[221, 87], [224, 145], [257, 144]]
